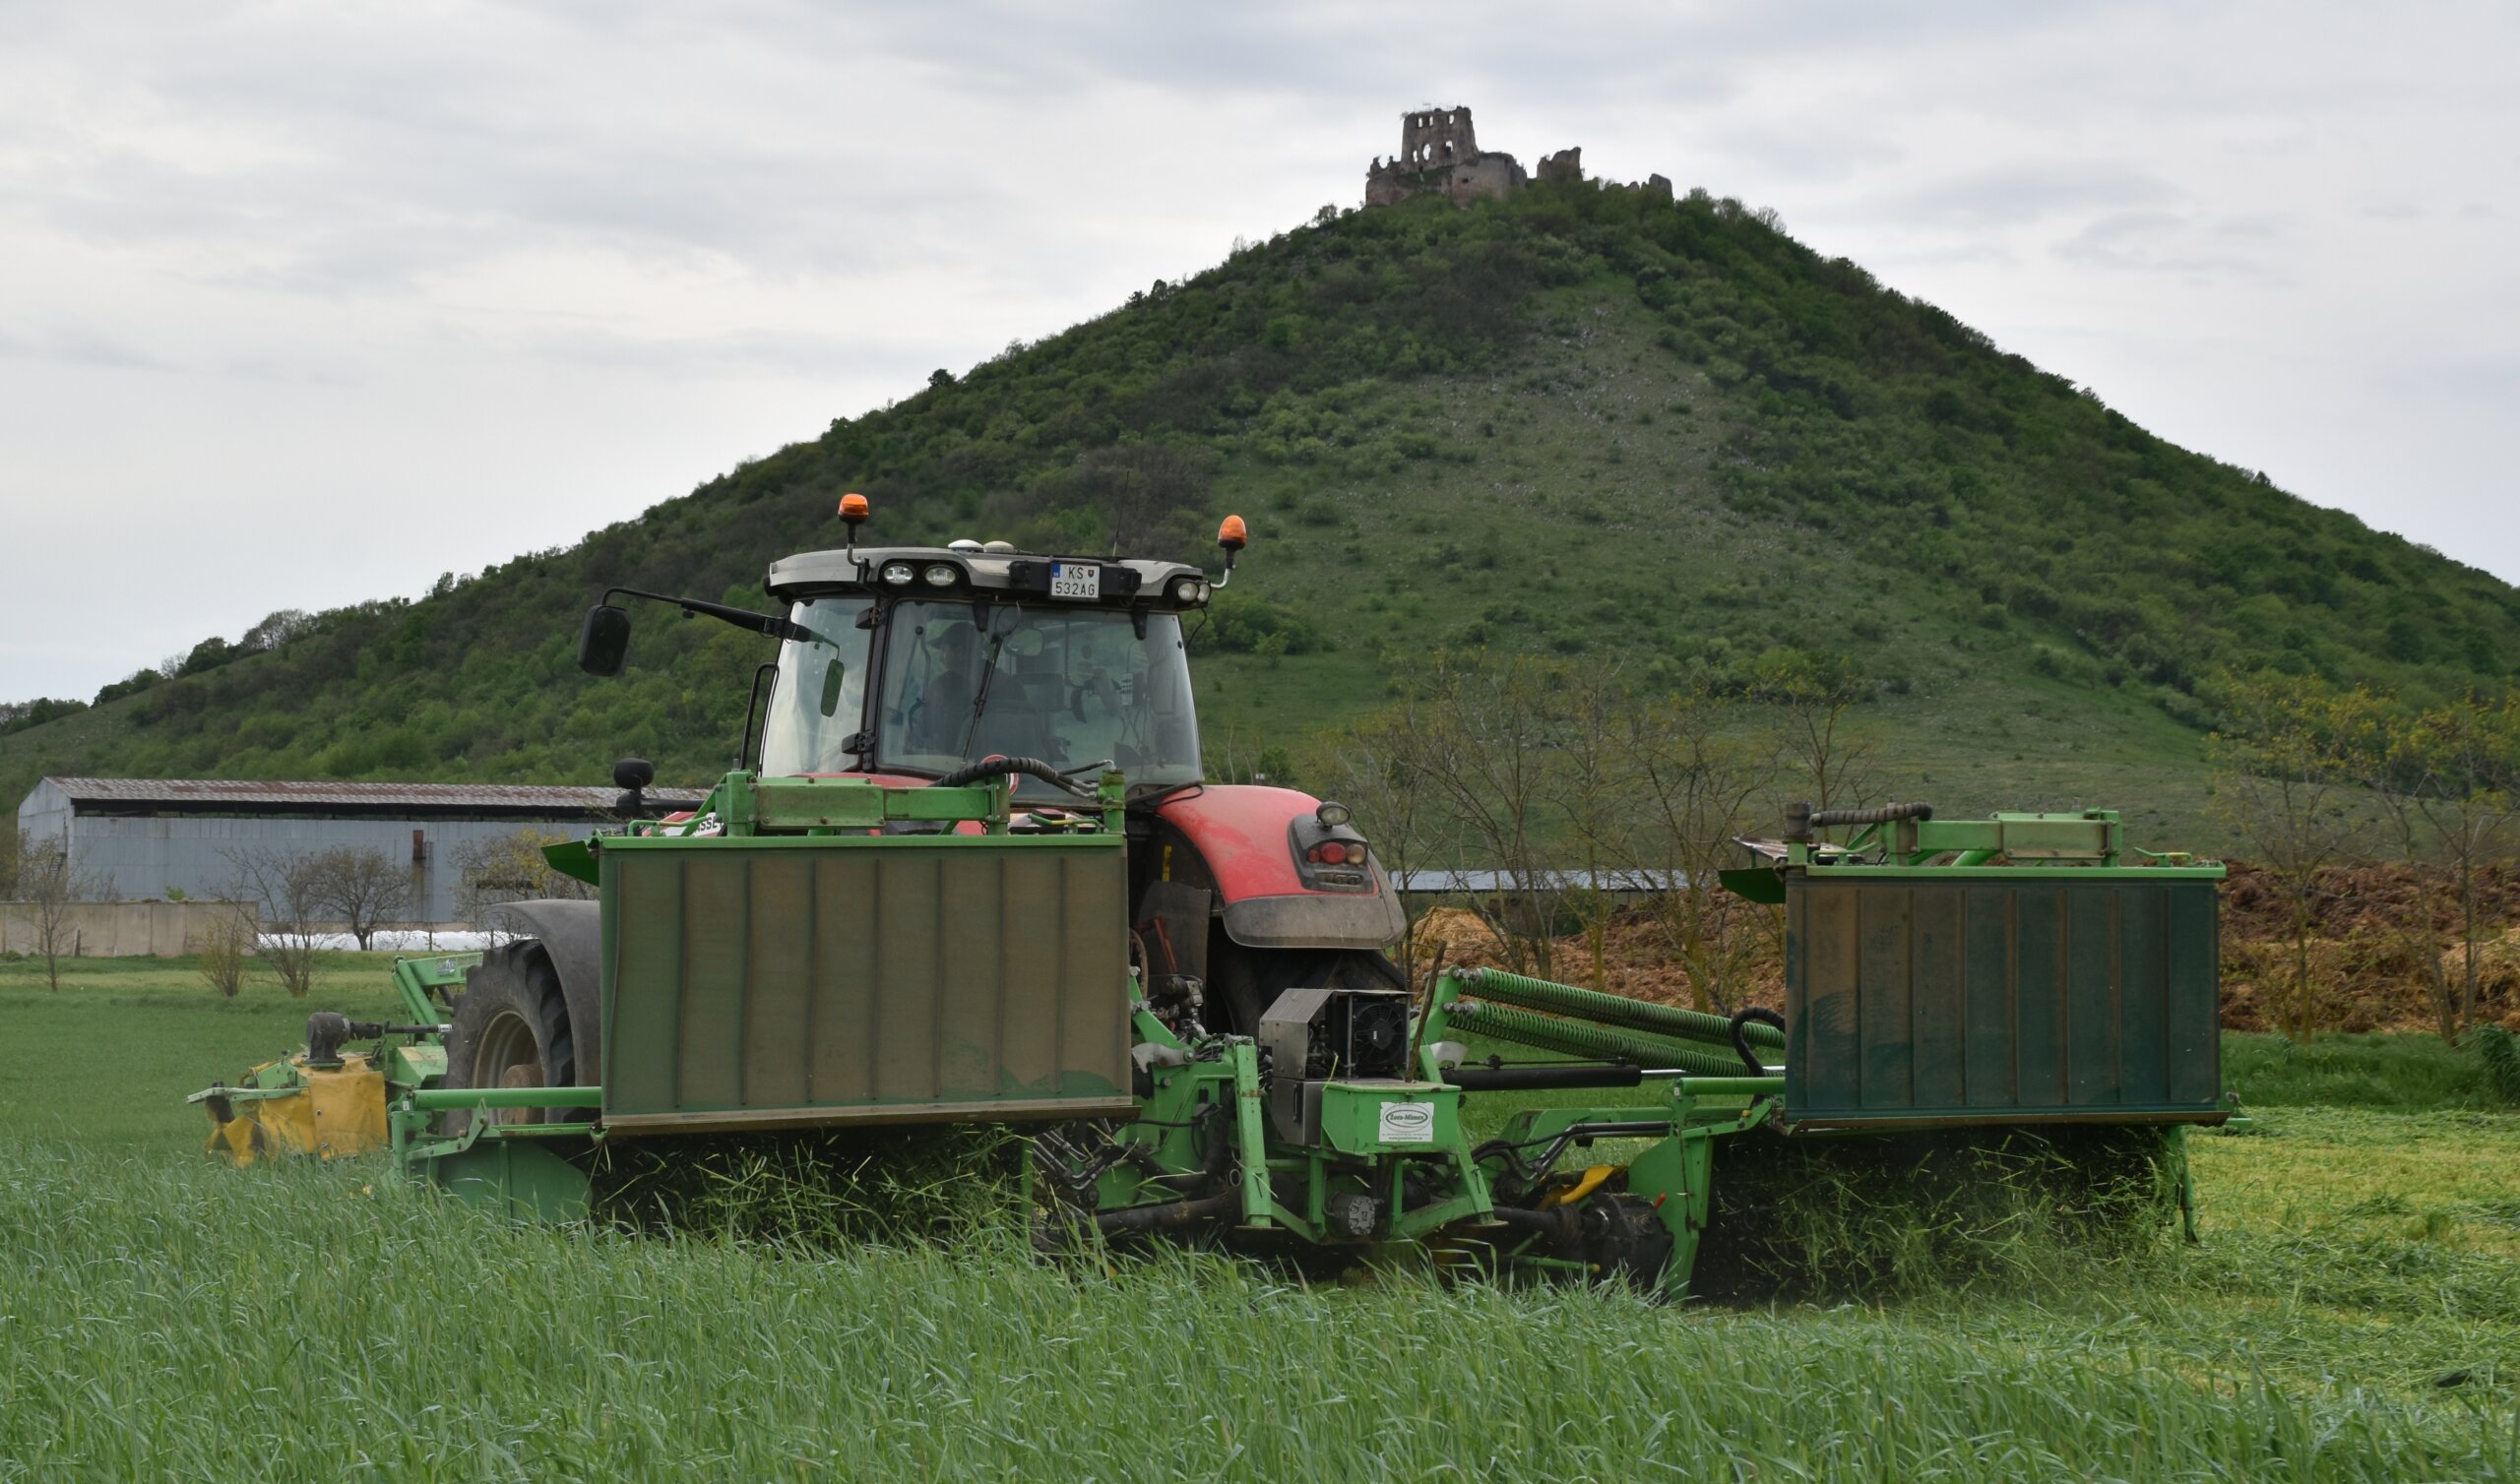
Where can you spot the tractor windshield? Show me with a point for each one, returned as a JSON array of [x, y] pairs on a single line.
[[821, 699], [1074, 687]]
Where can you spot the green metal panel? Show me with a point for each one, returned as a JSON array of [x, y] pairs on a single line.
[[788, 982], [1390, 1117], [1919, 998], [525, 1181]]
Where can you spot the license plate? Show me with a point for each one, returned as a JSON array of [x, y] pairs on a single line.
[[1075, 580]]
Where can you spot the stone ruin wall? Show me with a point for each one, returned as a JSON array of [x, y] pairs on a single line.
[[1439, 155]]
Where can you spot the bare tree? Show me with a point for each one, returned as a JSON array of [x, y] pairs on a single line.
[[1486, 737], [1388, 798], [1814, 704], [362, 886], [1698, 771], [1588, 787], [2283, 783], [222, 950], [52, 885], [2448, 783], [290, 891]]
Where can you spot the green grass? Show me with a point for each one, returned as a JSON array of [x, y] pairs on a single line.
[[2370, 1071], [155, 1031], [2354, 1312]]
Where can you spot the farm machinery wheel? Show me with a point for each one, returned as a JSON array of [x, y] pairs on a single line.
[[511, 1030], [1249, 980]]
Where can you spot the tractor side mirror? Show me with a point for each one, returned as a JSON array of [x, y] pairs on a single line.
[[604, 642], [632, 775]]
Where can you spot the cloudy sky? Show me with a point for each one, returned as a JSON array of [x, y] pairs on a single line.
[[304, 303]]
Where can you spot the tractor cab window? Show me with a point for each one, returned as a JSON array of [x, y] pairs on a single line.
[[1074, 687], [821, 699]]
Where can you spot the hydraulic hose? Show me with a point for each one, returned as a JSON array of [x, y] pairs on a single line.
[[1800, 819], [1742, 1021], [1171, 1214], [973, 773], [1610, 1010], [1592, 1042]]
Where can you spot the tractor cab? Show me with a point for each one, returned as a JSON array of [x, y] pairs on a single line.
[[909, 663]]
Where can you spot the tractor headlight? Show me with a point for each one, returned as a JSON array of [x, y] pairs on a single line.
[[940, 576], [897, 574], [1332, 815]]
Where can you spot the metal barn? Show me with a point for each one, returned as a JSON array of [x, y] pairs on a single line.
[[154, 836]]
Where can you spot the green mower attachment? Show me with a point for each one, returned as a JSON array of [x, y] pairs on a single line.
[[826, 954]]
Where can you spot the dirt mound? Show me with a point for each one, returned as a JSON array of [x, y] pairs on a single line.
[[1464, 936], [2368, 956], [1637, 958], [2368, 967]]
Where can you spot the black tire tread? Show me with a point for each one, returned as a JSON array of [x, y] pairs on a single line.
[[516, 976]]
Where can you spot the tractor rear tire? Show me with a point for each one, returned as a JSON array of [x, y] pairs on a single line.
[[511, 1030], [1248, 980]]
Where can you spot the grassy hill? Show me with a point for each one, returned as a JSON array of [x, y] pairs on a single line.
[[1582, 421]]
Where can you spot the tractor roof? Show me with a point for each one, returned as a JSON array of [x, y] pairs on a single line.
[[998, 568]]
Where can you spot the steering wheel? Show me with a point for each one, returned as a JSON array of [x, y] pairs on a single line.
[[1102, 690]]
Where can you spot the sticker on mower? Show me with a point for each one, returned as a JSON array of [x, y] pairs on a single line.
[[1076, 580], [1407, 1123]]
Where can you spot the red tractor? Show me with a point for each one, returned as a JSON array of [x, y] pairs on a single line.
[[911, 664]]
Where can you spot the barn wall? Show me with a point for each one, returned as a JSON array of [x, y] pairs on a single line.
[[170, 853]]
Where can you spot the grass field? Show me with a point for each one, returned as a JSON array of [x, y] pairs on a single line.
[[2353, 1313]]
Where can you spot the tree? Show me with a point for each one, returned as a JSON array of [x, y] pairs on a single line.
[[221, 950], [276, 629], [1388, 800], [2447, 781], [363, 886], [509, 868], [290, 891], [18, 716], [2283, 780], [1698, 772], [1486, 736], [1812, 695], [52, 885], [1588, 787], [1146, 493]]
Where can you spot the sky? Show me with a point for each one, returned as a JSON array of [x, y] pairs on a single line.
[[304, 305]]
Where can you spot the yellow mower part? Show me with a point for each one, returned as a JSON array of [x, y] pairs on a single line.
[[1590, 1181], [330, 1112]]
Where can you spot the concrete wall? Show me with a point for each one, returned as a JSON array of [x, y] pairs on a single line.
[[116, 929], [167, 853]]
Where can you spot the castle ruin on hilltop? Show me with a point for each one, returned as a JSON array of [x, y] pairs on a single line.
[[1439, 155]]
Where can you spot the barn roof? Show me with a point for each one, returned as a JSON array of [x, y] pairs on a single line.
[[228, 796]]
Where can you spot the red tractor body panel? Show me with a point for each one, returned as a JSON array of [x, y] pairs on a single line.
[[1244, 836], [1240, 832]]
